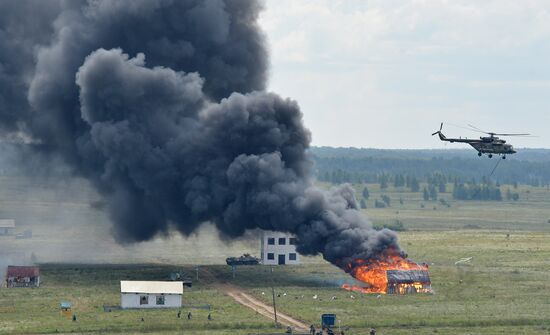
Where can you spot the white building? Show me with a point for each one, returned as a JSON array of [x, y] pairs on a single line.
[[279, 249], [7, 226], [151, 294]]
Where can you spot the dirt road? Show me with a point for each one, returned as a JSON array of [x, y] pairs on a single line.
[[249, 301], [245, 299]]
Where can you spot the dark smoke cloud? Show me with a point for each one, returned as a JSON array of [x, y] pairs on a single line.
[[19, 41], [161, 105]]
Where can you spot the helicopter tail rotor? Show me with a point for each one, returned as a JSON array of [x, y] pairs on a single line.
[[439, 131]]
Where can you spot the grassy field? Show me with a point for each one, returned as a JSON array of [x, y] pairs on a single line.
[[530, 213], [505, 289], [90, 287]]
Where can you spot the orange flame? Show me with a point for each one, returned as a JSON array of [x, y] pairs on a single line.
[[373, 272]]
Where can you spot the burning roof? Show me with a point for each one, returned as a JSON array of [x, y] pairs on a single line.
[[407, 276], [391, 273]]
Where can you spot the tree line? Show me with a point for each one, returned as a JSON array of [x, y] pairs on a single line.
[[344, 165]]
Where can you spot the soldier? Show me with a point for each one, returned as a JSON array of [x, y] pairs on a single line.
[[312, 330], [209, 316], [373, 331], [189, 316]]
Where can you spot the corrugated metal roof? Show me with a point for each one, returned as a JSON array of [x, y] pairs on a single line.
[[407, 276], [7, 223], [165, 287], [23, 271]]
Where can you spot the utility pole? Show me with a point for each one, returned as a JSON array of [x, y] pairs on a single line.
[[273, 294]]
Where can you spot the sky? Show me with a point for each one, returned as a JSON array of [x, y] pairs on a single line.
[[385, 73]]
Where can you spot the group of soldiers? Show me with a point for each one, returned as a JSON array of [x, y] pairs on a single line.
[[328, 331], [190, 316]]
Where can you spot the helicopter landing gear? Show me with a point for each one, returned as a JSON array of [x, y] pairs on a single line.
[[479, 154], [490, 155]]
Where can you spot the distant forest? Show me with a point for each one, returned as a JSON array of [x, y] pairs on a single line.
[[459, 166], [352, 165]]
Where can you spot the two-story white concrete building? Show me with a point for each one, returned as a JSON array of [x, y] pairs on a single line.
[[279, 249], [150, 294]]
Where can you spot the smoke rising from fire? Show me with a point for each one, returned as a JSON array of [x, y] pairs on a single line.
[[161, 105]]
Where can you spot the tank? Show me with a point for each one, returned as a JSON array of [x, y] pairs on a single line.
[[245, 259]]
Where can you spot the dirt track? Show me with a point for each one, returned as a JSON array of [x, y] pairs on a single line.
[[245, 299], [249, 301]]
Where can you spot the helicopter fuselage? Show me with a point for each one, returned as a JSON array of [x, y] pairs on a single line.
[[485, 145]]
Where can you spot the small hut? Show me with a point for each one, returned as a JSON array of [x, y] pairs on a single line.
[[22, 276], [66, 310], [151, 294], [7, 227], [408, 281]]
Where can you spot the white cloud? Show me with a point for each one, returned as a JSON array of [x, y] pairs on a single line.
[[365, 71]]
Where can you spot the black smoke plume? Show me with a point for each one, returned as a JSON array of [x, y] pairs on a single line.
[[161, 104]]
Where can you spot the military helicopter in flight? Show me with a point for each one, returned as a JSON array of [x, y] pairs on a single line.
[[486, 144]]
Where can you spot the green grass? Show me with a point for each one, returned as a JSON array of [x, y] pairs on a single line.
[[90, 287], [531, 212], [505, 289], [505, 286]]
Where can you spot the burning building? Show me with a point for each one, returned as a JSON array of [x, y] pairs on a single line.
[[408, 281], [391, 274]]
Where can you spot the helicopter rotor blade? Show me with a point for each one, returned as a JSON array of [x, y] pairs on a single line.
[[474, 128], [492, 134], [512, 134]]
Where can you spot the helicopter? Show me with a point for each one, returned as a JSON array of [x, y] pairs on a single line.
[[486, 144]]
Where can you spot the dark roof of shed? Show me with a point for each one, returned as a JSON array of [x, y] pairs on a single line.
[[23, 271], [407, 276]]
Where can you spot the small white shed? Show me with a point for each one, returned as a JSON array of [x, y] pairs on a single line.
[[151, 294], [7, 226]]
